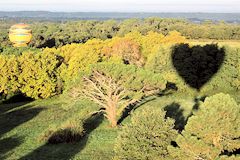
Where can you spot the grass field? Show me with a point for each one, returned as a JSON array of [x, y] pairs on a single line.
[[23, 123], [230, 43]]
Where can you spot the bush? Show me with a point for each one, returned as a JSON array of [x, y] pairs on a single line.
[[146, 137], [39, 74], [70, 131], [9, 71], [36, 75], [212, 131], [151, 42]]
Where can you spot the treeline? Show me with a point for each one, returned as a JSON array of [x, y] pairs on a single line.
[[45, 73], [55, 34]]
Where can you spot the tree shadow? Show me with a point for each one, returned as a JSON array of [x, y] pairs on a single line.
[[12, 119], [131, 108], [66, 151], [197, 101], [48, 43], [8, 144], [17, 98], [14, 102], [175, 112], [233, 153], [197, 64]]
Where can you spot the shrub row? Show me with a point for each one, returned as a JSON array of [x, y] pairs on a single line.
[[42, 74]]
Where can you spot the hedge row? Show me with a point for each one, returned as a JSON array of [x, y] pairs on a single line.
[[45, 73]]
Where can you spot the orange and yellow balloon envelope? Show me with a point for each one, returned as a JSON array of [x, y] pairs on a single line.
[[20, 35]]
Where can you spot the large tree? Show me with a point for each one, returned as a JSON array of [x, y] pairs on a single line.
[[116, 86]]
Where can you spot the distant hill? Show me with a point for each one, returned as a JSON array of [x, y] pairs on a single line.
[[44, 15]]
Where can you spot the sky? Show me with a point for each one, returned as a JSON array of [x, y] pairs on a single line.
[[217, 6]]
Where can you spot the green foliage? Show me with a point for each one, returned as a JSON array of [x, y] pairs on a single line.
[[116, 86], [146, 137], [17, 51], [211, 131], [33, 74], [134, 78], [151, 50]]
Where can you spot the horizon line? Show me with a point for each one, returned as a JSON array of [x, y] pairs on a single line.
[[199, 12]]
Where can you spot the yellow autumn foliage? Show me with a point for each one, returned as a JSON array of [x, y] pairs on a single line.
[[125, 49], [39, 75], [44, 74], [151, 42], [82, 57], [9, 69]]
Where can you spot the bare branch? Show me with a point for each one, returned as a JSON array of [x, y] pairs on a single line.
[[92, 97], [98, 92]]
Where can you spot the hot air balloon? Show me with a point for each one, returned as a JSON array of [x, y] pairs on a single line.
[[20, 35]]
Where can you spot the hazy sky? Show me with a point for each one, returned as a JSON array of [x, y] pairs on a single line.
[[123, 5]]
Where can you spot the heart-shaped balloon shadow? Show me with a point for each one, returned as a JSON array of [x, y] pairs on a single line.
[[197, 64]]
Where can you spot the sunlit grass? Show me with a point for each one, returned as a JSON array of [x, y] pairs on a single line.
[[232, 43], [22, 139]]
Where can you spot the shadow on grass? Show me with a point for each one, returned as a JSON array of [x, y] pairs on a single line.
[[8, 144], [14, 102], [12, 119], [66, 151], [12, 116], [17, 98], [131, 108], [175, 111]]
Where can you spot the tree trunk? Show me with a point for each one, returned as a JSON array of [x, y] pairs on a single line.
[[113, 123], [112, 114]]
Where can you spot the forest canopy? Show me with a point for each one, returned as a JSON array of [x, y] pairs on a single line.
[[55, 34]]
